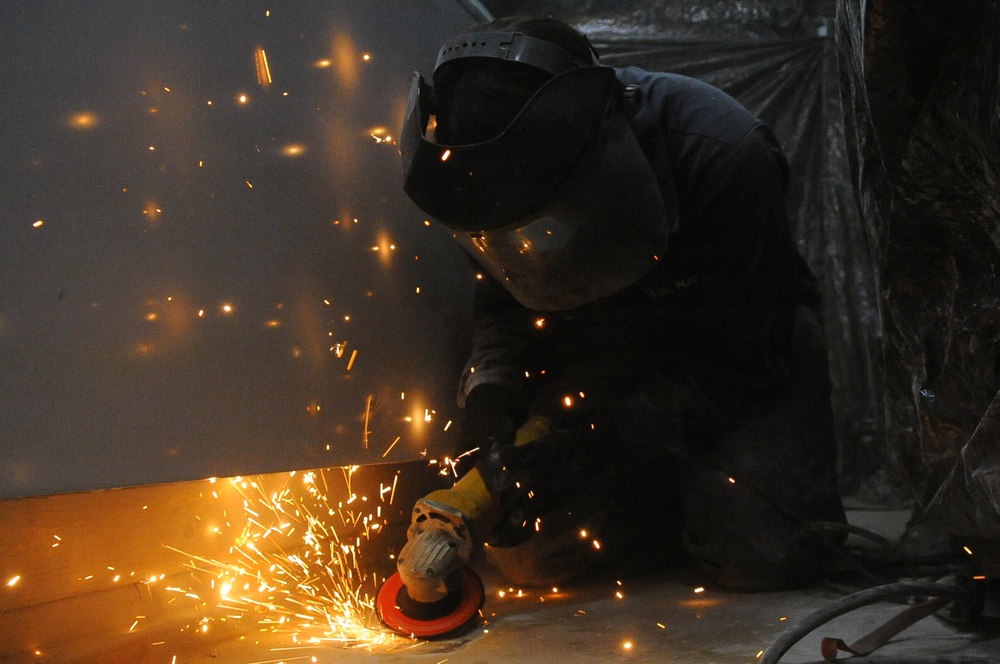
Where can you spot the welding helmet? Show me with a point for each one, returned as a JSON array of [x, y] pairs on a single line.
[[561, 207]]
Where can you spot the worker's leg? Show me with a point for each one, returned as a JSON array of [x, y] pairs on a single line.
[[617, 525], [602, 494], [745, 541], [755, 490]]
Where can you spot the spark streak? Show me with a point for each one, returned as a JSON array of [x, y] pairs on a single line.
[[389, 449], [263, 70], [368, 409]]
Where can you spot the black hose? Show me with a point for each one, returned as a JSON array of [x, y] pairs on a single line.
[[922, 659], [796, 632], [850, 529]]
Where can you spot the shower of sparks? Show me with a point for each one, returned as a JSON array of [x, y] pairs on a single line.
[[294, 573]]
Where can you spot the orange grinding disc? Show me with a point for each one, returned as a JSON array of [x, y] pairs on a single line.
[[427, 620]]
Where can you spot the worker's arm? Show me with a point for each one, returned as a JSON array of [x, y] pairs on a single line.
[[494, 388]]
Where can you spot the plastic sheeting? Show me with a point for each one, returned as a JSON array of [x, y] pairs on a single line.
[[922, 82], [779, 59]]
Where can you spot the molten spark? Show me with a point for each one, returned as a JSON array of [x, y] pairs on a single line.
[[384, 454], [263, 69], [368, 407]]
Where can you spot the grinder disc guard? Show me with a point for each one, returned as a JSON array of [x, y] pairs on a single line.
[[428, 620]]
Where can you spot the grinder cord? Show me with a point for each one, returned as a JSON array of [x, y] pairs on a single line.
[[796, 632]]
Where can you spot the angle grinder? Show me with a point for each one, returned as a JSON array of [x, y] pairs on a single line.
[[433, 592]]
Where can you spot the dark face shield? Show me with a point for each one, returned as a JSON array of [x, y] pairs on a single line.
[[561, 207], [604, 231]]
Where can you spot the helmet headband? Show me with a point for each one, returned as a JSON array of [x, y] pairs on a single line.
[[511, 46]]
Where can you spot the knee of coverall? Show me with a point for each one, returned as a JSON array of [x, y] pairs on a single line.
[[745, 542]]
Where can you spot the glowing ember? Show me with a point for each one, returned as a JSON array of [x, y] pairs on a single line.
[[152, 210], [83, 120], [381, 135], [293, 150], [293, 573]]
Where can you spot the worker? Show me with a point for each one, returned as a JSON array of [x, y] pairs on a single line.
[[638, 285]]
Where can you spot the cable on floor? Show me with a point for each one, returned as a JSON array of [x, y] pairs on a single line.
[[890, 591]]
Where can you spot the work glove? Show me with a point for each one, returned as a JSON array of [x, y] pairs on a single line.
[[533, 479], [492, 415]]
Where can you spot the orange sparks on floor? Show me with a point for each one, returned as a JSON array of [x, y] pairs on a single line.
[[295, 573]]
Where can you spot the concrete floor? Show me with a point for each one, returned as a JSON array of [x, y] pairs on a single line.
[[660, 619], [68, 605]]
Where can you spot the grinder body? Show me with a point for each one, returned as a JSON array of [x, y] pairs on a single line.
[[431, 569]]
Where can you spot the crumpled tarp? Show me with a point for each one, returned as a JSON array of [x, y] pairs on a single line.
[[779, 58], [922, 90]]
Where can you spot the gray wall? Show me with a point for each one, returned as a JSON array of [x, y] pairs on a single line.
[[140, 198]]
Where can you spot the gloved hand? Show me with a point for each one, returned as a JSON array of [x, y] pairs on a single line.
[[533, 479], [492, 415]]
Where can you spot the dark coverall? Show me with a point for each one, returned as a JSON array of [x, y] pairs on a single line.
[[704, 424]]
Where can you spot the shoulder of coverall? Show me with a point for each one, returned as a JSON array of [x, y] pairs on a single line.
[[691, 127]]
